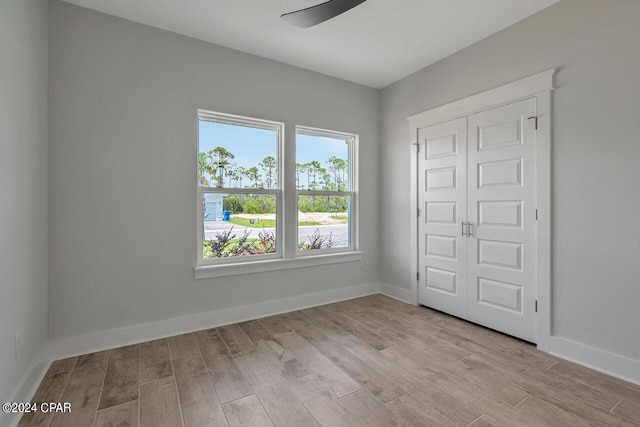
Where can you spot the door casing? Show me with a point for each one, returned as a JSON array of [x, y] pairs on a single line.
[[538, 86]]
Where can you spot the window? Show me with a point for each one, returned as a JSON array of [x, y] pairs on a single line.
[[241, 196], [238, 184], [324, 190]]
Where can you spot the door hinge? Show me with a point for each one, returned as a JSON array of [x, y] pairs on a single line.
[[418, 147], [536, 119], [418, 276], [536, 306], [536, 214], [418, 211]]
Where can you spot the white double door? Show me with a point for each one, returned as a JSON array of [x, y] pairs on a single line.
[[477, 219]]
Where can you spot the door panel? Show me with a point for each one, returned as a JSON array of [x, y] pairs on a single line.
[[501, 173], [500, 254], [501, 207], [504, 214], [442, 201], [501, 295], [442, 246]]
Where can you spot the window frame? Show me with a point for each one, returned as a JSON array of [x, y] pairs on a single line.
[[284, 257], [232, 119], [352, 192]]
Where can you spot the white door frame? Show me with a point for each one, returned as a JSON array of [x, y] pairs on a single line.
[[539, 86]]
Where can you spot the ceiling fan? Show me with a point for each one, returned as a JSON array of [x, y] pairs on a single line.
[[314, 15]]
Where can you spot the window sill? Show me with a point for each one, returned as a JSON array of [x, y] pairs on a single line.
[[222, 270]]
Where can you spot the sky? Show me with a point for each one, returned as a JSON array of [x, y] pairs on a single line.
[[251, 145]]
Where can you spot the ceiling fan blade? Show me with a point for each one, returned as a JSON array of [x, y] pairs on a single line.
[[313, 15]]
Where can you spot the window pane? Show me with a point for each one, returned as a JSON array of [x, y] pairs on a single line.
[[237, 156], [323, 222], [322, 162], [238, 225]]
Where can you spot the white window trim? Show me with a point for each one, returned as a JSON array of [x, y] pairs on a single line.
[[250, 267], [352, 193], [255, 123], [280, 260]]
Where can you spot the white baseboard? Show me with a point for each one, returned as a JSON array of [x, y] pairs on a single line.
[[103, 340], [609, 363], [29, 384], [402, 294]]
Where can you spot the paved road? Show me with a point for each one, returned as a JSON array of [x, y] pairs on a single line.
[[339, 232]]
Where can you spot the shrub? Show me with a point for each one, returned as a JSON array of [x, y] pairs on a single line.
[[317, 241], [226, 245]]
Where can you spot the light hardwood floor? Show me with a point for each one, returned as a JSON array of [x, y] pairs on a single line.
[[371, 361]]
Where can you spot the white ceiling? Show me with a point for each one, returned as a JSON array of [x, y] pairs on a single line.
[[374, 44]]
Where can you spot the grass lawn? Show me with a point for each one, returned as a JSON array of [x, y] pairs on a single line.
[[244, 222], [264, 223]]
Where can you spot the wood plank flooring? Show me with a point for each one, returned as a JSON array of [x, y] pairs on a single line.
[[371, 361]]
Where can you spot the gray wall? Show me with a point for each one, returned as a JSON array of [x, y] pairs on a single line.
[[123, 99], [23, 187], [596, 157]]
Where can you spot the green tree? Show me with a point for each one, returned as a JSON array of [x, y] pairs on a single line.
[[325, 178], [240, 172], [303, 169], [232, 203], [298, 171], [204, 170], [338, 167], [269, 166], [232, 174], [219, 161], [254, 175], [312, 173]]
